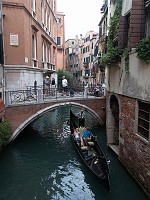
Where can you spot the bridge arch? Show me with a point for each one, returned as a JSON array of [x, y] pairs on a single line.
[[41, 112]]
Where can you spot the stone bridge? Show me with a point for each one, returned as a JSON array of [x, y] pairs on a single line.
[[19, 116]]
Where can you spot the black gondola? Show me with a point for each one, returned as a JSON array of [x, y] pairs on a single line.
[[93, 157]]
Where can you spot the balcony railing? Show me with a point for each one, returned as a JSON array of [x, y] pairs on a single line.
[[48, 66], [103, 38]]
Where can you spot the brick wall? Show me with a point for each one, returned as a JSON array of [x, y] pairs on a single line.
[[16, 115], [137, 22], [134, 151]]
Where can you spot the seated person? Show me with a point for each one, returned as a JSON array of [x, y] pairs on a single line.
[[87, 135], [77, 134]]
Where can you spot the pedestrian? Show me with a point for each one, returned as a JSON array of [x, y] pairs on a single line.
[[53, 86], [47, 85], [71, 92], [65, 86], [96, 90], [103, 89]]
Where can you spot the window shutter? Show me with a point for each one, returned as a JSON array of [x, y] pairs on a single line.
[[137, 22], [123, 33]]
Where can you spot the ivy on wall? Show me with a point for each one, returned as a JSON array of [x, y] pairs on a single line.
[[126, 59], [143, 50], [112, 54], [5, 133]]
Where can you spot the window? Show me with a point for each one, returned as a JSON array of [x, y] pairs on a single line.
[[49, 54], [46, 19], [43, 51], [144, 119], [34, 50], [33, 5], [54, 56], [43, 13], [58, 40], [54, 29], [53, 5], [147, 27], [58, 20], [49, 23]]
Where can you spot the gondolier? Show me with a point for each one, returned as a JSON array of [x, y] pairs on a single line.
[[81, 118]]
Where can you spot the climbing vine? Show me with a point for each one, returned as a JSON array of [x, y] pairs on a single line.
[[126, 58], [143, 50], [112, 54], [5, 133]]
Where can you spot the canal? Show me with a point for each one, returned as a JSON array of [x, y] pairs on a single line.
[[43, 164]]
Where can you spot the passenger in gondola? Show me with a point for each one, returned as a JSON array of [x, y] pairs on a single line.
[[81, 115], [77, 134], [87, 136]]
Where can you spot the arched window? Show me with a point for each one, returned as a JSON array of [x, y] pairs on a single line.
[[49, 54], [53, 5], [49, 23], [33, 5], [46, 19], [43, 13], [34, 50], [43, 52], [33, 8]]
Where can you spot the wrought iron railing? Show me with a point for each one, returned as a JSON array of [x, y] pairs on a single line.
[[39, 94]]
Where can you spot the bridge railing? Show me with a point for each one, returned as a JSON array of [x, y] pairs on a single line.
[[41, 94]]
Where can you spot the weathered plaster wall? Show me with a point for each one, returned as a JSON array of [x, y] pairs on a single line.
[[126, 6], [135, 84]]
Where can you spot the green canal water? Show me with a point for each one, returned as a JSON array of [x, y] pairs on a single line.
[[43, 164]]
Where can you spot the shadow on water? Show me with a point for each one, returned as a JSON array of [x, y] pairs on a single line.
[[43, 164]]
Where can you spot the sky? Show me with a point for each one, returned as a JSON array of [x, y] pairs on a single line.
[[81, 16]]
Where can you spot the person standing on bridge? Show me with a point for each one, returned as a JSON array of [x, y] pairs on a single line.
[[47, 85], [64, 85], [53, 85]]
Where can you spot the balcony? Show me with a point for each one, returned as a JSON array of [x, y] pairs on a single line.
[[48, 66], [103, 38], [86, 65]]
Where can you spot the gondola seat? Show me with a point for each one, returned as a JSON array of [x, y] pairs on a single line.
[[84, 148], [91, 144]]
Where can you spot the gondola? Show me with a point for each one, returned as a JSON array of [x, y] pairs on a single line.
[[92, 156]]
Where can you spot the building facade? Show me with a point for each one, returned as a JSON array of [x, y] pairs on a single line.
[[30, 33], [88, 69], [127, 82], [73, 58], [61, 41]]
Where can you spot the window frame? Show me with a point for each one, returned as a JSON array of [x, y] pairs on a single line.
[[147, 20], [143, 120], [34, 49], [58, 43]]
